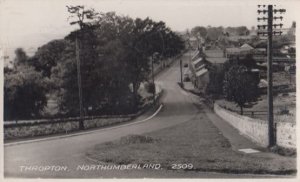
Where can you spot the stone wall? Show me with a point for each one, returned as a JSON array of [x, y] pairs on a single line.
[[31, 130], [63, 126], [257, 130], [286, 134]]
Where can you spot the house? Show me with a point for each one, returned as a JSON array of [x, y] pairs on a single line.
[[202, 78], [195, 65], [246, 47], [238, 51], [198, 53], [215, 56], [199, 73]]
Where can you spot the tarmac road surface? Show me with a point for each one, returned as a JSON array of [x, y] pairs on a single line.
[[60, 157]]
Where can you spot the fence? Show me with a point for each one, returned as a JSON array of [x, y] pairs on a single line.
[[251, 113]]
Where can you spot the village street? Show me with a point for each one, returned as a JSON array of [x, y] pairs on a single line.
[[179, 108]]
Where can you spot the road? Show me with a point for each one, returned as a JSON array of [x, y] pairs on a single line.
[[177, 108]]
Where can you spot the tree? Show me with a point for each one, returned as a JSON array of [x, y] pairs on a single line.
[[240, 86], [213, 33], [47, 56], [24, 93], [237, 31], [198, 30], [242, 30], [248, 61], [216, 77], [21, 57], [25, 89], [115, 54]]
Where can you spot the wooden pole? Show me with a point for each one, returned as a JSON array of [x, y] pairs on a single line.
[[81, 125], [270, 77], [181, 81], [152, 68]]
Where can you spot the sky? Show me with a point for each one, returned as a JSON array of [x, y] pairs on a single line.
[[32, 23]]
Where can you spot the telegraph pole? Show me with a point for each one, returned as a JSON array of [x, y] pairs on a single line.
[[181, 73], [270, 76], [81, 126], [154, 87], [270, 33]]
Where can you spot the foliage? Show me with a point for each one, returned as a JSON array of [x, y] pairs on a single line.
[[199, 31], [21, 57], [237, 31], [47, 56], [24, 93], [216, 76], [213, 33], [248, 61], [115, 53], [240, 86]]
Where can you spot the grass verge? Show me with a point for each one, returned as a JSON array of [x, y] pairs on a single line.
[[197, 142]]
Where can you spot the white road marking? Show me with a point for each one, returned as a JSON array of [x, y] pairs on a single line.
[[83, 133]]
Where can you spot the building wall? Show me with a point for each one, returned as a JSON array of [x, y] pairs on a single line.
[[202, 81]]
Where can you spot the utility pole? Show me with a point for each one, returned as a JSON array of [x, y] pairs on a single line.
[[270, 33], [181, 81], [81, 125], [152, 68], [270, 76]]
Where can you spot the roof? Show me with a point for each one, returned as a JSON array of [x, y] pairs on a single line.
[[233, 50], [197, 62], [247, 46], [217, 60], [236, 38], [201, 72], [237, 50], [213, 53], [200, 67], [215, 56], [195, 54]]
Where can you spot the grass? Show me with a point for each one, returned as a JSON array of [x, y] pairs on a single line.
[[197, 142], [281, 102]]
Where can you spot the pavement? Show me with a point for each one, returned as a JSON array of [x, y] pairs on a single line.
[[69, 153], [237, 140]]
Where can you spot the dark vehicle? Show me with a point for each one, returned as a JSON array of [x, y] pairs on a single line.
[[185, 65]]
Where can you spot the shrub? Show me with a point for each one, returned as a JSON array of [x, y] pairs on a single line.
[[150, 87]]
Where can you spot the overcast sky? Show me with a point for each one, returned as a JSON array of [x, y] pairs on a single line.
[[32, 23]]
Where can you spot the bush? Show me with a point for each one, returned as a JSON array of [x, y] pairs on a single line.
[[150, 87], [24, 93]]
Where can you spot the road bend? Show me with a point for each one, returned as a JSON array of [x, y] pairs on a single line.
[[70, 151]]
